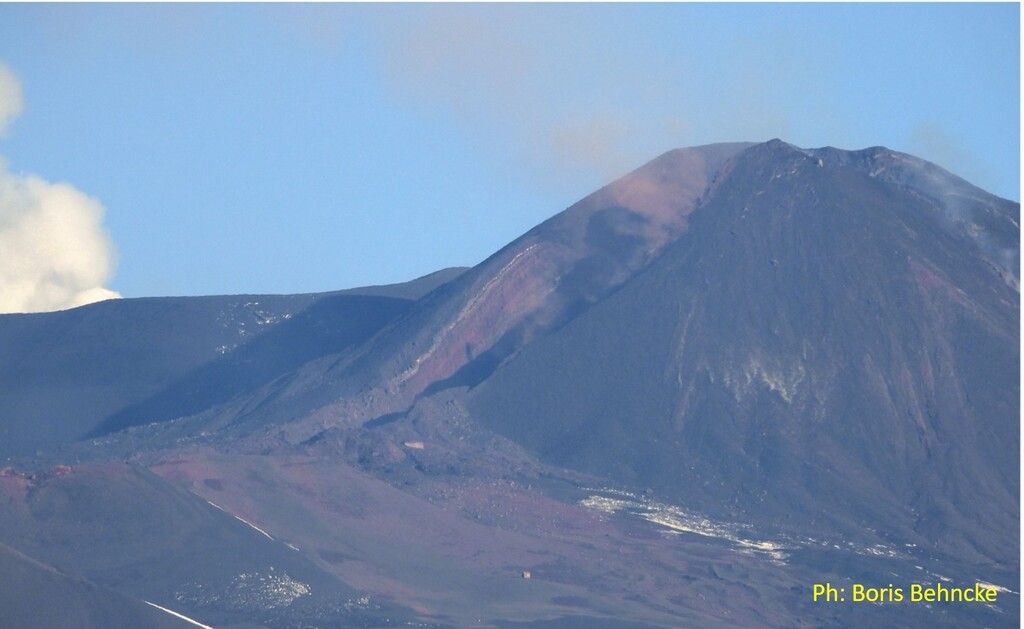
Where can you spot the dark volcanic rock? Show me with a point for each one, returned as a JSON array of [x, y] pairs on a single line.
[[127, 361], [37, 595], [828, 345], [459, 334]]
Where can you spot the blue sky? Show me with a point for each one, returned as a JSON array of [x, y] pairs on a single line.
[[269, 148]]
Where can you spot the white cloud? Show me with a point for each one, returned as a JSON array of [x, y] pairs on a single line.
[[54, 251]]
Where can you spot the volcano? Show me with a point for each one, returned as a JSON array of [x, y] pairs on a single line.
[[830, 340], [737, 371]]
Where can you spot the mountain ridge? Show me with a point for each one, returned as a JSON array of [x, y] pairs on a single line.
[[739, 370]]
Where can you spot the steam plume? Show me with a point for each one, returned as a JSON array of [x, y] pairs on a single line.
[[54, 251]]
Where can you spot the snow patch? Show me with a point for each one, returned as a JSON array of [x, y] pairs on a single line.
[[997, 588], [678, 521]]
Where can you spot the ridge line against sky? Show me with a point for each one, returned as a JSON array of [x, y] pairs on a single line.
[[283, 149]]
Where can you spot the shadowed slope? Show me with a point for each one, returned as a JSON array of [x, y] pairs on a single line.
[[823, 347], [332, 324], [65, 372], [36, 595]]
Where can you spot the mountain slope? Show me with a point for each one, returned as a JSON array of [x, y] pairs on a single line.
[[125, 528], [737, 371], [458, 334], [823, 347], [36, 595], [548, 275], [65, 373]]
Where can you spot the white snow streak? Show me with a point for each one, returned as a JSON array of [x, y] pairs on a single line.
[[182, 616], [243, 520]]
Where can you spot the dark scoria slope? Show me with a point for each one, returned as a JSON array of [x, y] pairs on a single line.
[[121, 362], [121, 527], [457, 335], [831, 345], [37, 595]]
